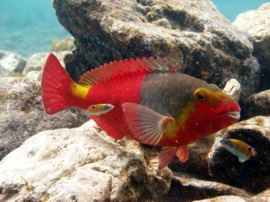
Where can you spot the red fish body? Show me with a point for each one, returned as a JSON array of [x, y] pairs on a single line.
[[152, 103]]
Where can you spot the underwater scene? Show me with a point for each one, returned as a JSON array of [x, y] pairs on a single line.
[[135, 100]]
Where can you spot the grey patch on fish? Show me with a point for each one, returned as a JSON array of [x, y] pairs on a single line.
[[169, 93]]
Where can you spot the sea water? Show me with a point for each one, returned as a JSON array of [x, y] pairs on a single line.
[[231, 8], [29, 26]]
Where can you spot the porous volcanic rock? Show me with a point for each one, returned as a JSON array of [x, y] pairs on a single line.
[[80, 164], [22, 114], [256, 23], [253, 174], [192, 34]]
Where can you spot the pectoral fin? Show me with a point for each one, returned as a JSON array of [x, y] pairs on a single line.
[[145, 125], [182, 153], [165, 156], [242, 159]]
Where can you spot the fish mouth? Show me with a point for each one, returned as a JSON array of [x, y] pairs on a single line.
[[235, 115]]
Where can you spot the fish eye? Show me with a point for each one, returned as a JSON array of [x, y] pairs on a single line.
[[249, 149], [93, 107], [199, 96]]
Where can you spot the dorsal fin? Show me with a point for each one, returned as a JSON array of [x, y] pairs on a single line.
[[124, 67]]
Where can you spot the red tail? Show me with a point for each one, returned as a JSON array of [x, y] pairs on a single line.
[[55, 86]]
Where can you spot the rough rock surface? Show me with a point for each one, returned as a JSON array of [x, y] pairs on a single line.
[[66, 44], [22, 114], [262, 197], [253, 174], [228, 198], [81, 164], [256, 23], [36, 61], [233, 88], [256, 104], [11, 62], [185, 188], [191, 33]]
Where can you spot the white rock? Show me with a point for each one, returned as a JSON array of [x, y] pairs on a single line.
[[34, 75], [81, 164], [233, 88], [36, 61], [10, 62]]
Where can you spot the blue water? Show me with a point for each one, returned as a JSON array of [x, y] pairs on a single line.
[[231, 8], [29, 26]]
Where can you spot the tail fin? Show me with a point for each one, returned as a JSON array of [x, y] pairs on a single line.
[[55, 86]]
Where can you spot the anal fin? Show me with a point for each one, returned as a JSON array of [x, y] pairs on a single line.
[[165, 156], [182, 153]]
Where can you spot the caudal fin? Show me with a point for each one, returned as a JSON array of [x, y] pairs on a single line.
[[55, 86]]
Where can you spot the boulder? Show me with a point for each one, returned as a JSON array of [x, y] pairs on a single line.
[[22, 114], [11, 62], [262, 197], [80, 164], [228, 198], [37, 61], [192, 34], [253, 174], [256, 104], [187, 188], [66, 44], [256, 23]]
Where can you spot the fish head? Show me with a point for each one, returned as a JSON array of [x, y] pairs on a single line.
[[215, 109], [251, 152]]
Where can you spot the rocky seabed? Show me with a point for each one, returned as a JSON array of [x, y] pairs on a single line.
[[66, 157]]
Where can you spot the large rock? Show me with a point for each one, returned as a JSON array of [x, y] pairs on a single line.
[[81, 164], [253, 174], [192, 34], [187, 188], [228, 198], [37, 61], [66, 44], [22, 114], [11, 62], [257, 104], [262, 197], [256, 23]]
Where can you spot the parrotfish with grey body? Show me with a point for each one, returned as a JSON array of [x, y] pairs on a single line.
[[239, 148], [152, 102]]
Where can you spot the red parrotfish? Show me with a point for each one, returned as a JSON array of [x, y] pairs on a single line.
[[239, 148], [152, 102]]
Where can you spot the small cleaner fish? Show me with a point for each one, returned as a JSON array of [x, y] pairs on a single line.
[[99, 109], [239, 148], [152, 102]]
